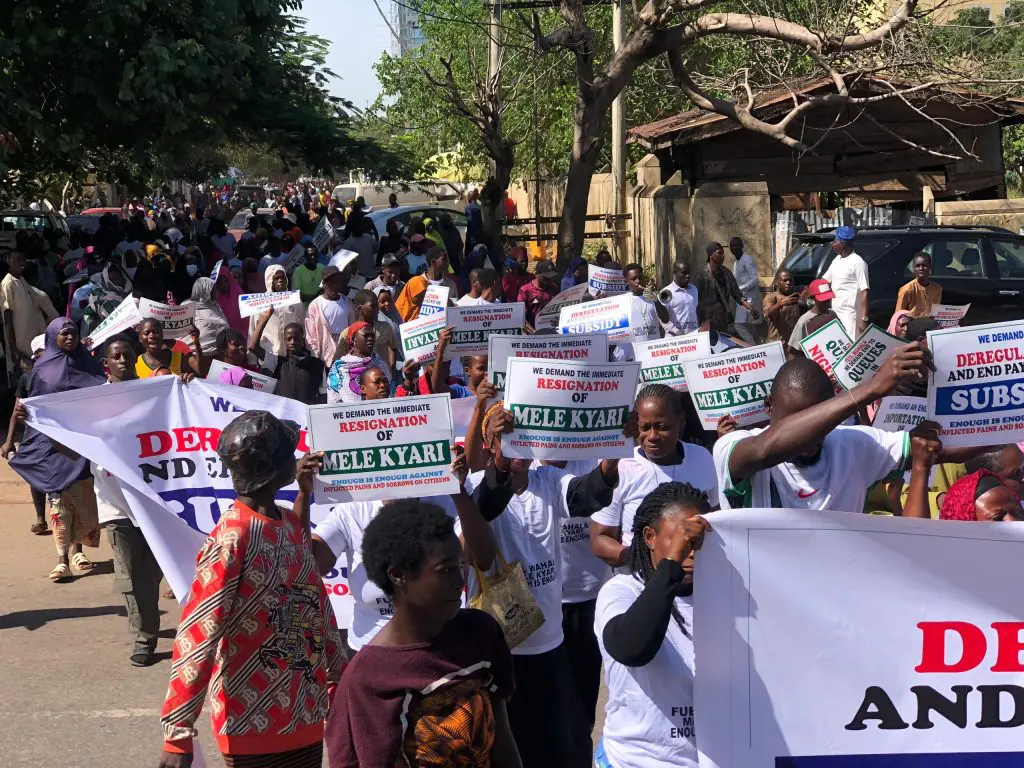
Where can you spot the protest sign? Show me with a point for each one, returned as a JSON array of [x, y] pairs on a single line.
[[471, 327], [322, 234], [734, 383], [949, 315], [865, 356], [260, 382], [125, 315], [215, 272], [435, 299], [825, 346], [661, 360], [565, 410], [295, 257], [384, 449], [897, 413], [548, 316], [899, 661], [976, 393], [462, 413], [605, 282], [158, 437], [591, 348], [420, 337], [176, 321], [618, 316], [257, 303], [342, 259]]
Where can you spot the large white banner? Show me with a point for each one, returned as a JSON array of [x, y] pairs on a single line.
[[734, 383], [591, 348], [158, 437], [900, 648], [661, 360]]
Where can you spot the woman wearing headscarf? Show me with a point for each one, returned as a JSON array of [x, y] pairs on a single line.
[[186, 270], [983, 497], [146, 282], [210, 319], [110, 287], [272, 339], [64, 365], [344, 376], [899, 322], [228, 292]]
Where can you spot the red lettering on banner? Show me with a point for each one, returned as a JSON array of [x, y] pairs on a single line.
[[933, 646], [190, 440], [1009, 645], [153, 444]]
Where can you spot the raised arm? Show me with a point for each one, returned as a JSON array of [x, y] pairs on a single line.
[[477, 536], [254, 341], [476, 454]]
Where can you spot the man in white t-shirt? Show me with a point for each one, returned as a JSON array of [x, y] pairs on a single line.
[[681, 301], [652, 314], [848, 276], [482, 288]]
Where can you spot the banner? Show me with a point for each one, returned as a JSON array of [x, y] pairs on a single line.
[[472, 326], [618, 316], [734, 383], [825, 346], [384, 449], [125, 315], [605, 282], [435, 299], [566, 410], [976, 393], [949, 315], [322, 234], [158, 437], [420, 337], [250, 304], [260, 382], [661, 360], [592, 349], [885, 658], [176, 321], [862, 359], [897, 413], [548, 316]]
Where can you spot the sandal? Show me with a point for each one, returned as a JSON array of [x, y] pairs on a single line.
[[40, 529], [60, 573], [81, 562]]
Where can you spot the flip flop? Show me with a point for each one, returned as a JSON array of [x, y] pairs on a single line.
[[81, 562], [60, 573], [40, 529]]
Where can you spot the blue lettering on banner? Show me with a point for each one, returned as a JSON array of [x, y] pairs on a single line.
[[958, 760], [184, 497], [979, 398]]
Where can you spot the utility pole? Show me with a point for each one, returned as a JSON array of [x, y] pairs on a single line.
[[494, 59], [619, 137]]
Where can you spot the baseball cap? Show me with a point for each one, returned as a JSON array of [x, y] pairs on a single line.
[[255, 447], [545, 268], [845, 233], [821, 290], [38, 344]]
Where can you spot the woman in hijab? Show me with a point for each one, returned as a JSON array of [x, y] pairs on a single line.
[[272, 339], [110, 288], [186, 270], [898, 324], [64, 365], [210, 319], [146, 282], [228, 292]]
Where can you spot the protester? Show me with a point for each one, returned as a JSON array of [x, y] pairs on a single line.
[[717, 285], [981, 496], [272, 335], [848, 276], [452, 240], [248, 648], [1006, 462], [386, 333], [343, 377], [26, 312], [712, 320], [232, 351], [821, 294], [273, 255], [390, 277], [681, 301], [156, 355], [782, 307], [223, 242], [209, 319], [575, 273], [39, 527], [386, 315], [299, 374], [483, 288], [918, 296], [537, 294], [747, 321], [307, 276], [227, 295], [391, 242], [653, 313], [364, 244], [329, 314], [411, 298], [516, 275], [899, 322]]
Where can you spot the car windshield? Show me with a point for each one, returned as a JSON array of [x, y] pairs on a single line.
[[240, 221], [24, 221], [813, 258]]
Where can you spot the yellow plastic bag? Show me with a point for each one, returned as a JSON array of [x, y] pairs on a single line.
[[506, 596]]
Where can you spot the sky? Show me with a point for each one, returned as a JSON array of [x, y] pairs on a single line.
[[358, 36]]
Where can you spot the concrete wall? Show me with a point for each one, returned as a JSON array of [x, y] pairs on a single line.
[[723, 210], [661, 228], [1008, 214], [552, 193]]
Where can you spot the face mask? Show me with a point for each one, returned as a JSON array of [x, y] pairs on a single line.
[[131, 271], [192, 269]]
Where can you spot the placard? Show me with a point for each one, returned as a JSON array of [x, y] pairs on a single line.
[[471, 327], [295, 257], [863, 359], [591, 348], [420, 337], [215, 272], [548, 315], [257, 303], [435, 299], [976, 393], [897, 413], [384, 449], [661, 360], [342, 258], [322, 234], [125, 315], [825, 346], [618, 316], [260, 382], [566, 410], [949, 315], [176, 321], [734, 383], [605, 282]]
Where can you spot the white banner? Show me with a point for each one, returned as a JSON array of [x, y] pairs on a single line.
[[472, 326], [566, 410], [605, 282], [158, 437], [618, 316], [384, 449], [260, 382], [825, 346], [125, 315], [886, 657], [592, 349], [548, 316], [435, 299], [250, 304], [734, 383], [322, 234], [863, 359], [976, 393], [420, 337], [949, 315], [661, 360], [897, 413], [176, 321]]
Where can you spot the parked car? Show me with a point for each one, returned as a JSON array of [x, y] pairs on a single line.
[[240, 222], [45, 222], [980, 266], [405, 213]]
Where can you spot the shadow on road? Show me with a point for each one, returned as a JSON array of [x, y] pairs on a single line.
[[32, 620]]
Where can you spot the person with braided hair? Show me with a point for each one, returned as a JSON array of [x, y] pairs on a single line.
[[644, 626]]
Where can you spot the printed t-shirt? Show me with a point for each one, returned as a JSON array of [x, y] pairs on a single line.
[[852, 460], [583, 572], [649, 718], [848, 275], [639, 476]]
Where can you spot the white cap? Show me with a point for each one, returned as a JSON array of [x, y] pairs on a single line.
[[38, 343]]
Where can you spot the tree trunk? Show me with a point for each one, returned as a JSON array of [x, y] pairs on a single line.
[[493, 194], [586, 148]]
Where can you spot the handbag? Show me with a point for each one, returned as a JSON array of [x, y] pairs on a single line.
[[507, 597]]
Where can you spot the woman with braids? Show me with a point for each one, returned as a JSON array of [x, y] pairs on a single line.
[[660, 457], [644, 625]]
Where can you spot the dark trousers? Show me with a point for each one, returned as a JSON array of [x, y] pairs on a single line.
[[136, 576], [545, 714], [584, 656]]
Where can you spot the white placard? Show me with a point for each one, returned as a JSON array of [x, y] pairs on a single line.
[[734, 383], [322, 234], [592, 348], [825, 346], [384, 449], [125, 315], [256, 303], [618, 316], [471, 327], [566, 410], [548, 316], [420, 337], [897, 413], [342, 258], [260, 382], [976, 393], [605, 282], [435, 299], [462, 414], [865, 356], [949, 315], [661, 360], [215, 272], [295, 257], [176, 321]]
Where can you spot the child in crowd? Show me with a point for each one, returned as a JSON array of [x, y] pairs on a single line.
[[918, 296], [156, 355], [782, 307], [299, 374], [231, 349], [436, 377]]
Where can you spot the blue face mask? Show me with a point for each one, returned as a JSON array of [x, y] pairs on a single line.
[[192, 269]]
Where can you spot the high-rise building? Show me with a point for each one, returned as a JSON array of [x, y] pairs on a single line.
[[406, 20]]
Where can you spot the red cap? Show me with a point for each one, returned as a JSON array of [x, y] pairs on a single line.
[[821, 290]]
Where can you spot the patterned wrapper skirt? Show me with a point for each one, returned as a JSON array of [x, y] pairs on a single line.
[[74, 518], [306, 757]]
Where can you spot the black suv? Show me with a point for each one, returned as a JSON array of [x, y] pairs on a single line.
[[982, 266]]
